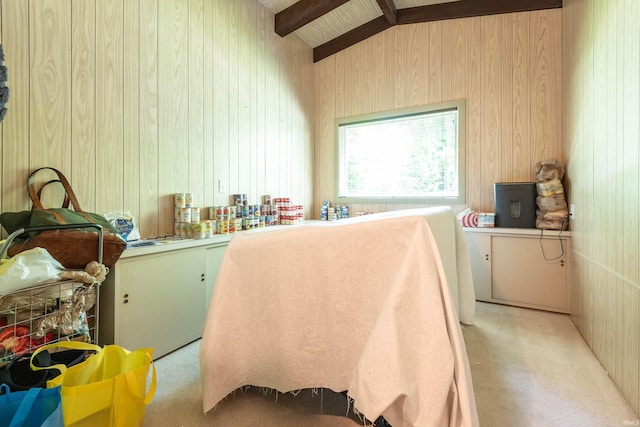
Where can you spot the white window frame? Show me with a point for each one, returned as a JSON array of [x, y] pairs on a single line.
[[459, 199]]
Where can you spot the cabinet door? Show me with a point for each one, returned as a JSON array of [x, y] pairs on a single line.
[[214, 259], [479, 246], [530, 270], [158, 301]]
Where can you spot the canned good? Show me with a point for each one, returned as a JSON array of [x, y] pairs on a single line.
[[177, 229], [210, 228], [188, 200], [185, 214], [222, 226], [246, 223], [195, 214], [198, 230], [185, 229], [232, 211], [179, 200], [176, 213]]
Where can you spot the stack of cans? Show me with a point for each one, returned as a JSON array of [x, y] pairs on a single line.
[[187, 221], [289, 214], [342, 211], [324, 210], [331, 213]]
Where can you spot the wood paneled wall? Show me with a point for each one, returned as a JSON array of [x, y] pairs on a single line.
[[507, 67], [135, 100], [601, 74]]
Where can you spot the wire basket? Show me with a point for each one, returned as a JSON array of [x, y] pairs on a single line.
[[47, 313]]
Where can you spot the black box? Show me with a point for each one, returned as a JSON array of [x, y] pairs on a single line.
[[515, 204]]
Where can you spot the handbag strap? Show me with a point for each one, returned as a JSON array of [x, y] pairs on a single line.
[[34, 195], [65, 202], [74, 345], [69, 194], [132, 382], [26, 404]]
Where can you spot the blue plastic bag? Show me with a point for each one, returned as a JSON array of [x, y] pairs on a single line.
[[36, 407]]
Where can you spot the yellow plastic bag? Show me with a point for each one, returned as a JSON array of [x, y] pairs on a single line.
[[108, 389]]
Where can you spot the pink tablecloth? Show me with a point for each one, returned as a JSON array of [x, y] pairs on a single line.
[[362, 306]]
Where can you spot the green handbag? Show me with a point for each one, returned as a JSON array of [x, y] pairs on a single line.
[[73, 248]]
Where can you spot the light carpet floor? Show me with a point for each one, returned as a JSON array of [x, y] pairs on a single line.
[[529, 368]]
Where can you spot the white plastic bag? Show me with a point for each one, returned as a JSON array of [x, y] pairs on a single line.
[[29, 268], [125, 224]]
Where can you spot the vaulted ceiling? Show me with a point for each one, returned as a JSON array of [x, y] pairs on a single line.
[[329, 26]]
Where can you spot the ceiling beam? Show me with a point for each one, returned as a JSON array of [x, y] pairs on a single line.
[[470, 8], [350, 38], [388, 8], [303, 12]]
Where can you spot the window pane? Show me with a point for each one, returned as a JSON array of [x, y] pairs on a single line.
[[405, 156]]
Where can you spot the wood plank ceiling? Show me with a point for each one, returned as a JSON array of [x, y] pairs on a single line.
[[329, 26]]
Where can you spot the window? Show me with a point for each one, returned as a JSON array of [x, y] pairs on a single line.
[[413, 155]]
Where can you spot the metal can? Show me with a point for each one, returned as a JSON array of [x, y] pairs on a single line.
[[177, 229], [209, 228], [198, 230], [176, 213], [222, 226], [185, 214], [195, 214], [186, 230], [179, 200], [188, 200]]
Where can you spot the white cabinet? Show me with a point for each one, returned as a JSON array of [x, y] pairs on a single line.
[[522, 267], [158, 297]]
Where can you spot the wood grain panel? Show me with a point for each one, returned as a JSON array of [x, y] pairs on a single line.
[[491, 105], [261, 102], [546, 111], [631, 135], [196, 160], [15, 125], [244, 100], [324, 82], [435, 71], [221, 95], [417, 65], [131, 108], [110, 98], [521, 140], [601, 139], [506, 65], [149, 219], [50, 85], [135, 96], [83, 102], [501, 79], [445, 59], [209, 182], [233, 98], [475, 123], [173, 112], [273, 113]]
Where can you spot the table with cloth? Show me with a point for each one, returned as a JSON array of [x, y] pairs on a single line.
[[363, 305]]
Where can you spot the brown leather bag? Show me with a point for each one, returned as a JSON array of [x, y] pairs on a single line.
[[73, 248]]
